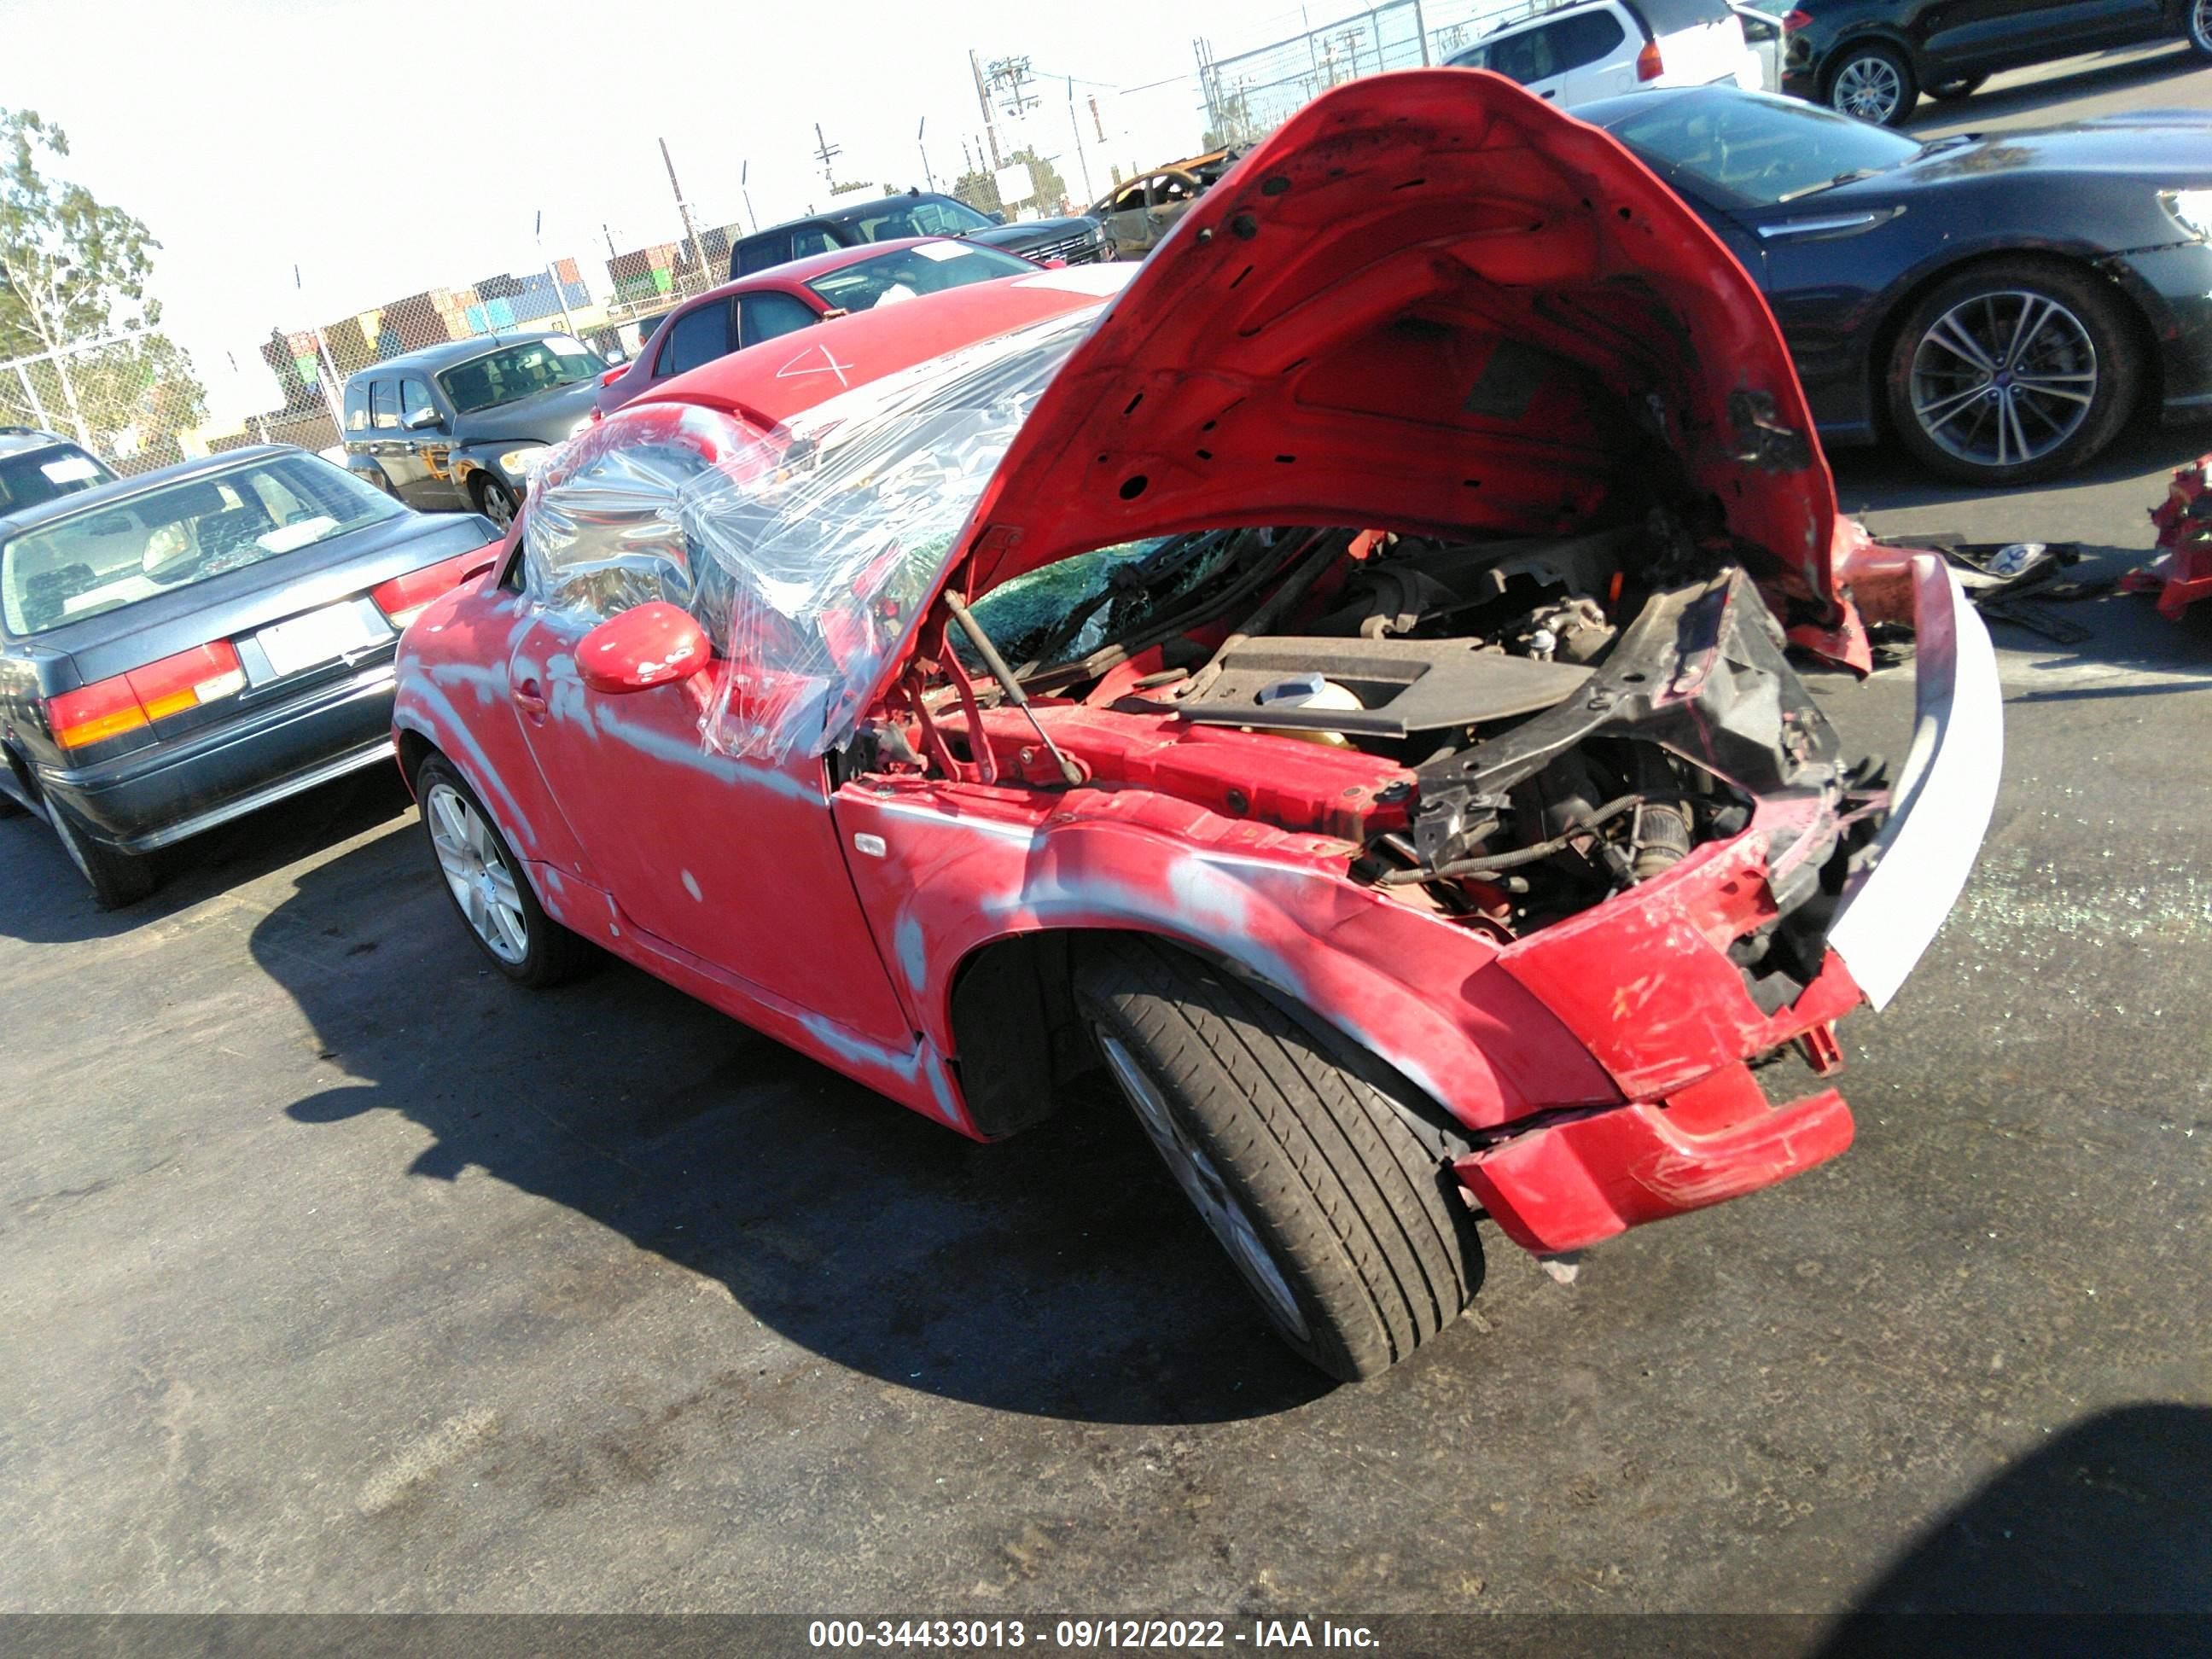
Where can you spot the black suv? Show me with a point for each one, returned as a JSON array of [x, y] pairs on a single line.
[[1873, 58], [458, 427], [1074, 241], [36, 466]]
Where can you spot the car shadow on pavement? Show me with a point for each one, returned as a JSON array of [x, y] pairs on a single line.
[[1058, 1273], [2093, 80], [2107, 1519], [1884, 478], [51, 904]]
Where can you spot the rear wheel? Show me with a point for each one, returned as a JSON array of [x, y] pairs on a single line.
[[118, 879], [1874, 83], [1351, 1234], [485, 882], [2013, 371], [1963, 85], [2198, 27]]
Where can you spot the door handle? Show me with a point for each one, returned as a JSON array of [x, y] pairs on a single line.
[[530, 698]]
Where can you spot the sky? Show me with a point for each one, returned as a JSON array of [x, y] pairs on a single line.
[[385, 149]]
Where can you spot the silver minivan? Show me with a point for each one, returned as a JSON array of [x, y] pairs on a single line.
[[1578, 53]]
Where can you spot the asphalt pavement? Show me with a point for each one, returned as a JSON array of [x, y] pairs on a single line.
[[340, 1275]]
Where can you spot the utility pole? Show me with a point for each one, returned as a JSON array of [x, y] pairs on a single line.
[[683, 208], [1421, 28], [745, 171], [823, 150], [559, 292], [1076, 126], [928, 178], [983, 102]]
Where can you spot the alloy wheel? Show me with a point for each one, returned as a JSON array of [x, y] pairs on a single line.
[[483, 886], [1202, 1184], [2200, 24], [496, 504], [2004, 379], [1870, 89]]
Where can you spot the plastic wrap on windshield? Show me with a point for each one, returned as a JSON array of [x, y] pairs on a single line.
[[807, 552]]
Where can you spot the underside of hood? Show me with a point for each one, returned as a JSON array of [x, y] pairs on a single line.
[[1431, 302]]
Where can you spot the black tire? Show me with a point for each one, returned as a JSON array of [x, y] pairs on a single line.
[[119, 879], [1916, 380], [1369, 1245], [1874, 83], [494, 500], [1964, 86], [548, 953], [2196, 27]]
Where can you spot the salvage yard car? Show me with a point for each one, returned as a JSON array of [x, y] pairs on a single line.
[[2002, 303], [182, 647], [1330, 677], [455, 428], [790, 297]]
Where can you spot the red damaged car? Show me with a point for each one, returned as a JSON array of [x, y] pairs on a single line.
[[1332, 677]]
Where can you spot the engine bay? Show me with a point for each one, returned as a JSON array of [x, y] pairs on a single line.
[[1558, 719]]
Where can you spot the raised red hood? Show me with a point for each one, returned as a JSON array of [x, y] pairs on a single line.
[[1429, 303]]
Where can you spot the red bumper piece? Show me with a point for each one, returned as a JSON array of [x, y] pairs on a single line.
[[2181, 575], [1588, 1178]]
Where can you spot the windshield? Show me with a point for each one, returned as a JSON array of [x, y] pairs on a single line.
[[41, 475], [116, 554], [1752, 150], [519, 371], [925, 268], [808, 552], [916, 217]]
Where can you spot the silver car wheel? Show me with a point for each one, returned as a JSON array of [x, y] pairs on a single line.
[[2004, 379], [1868, 87], [1202, 1184], [495, 504], [483, 884], [2200, 24]]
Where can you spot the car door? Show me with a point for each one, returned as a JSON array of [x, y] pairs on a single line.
[[1963, 35], [765, 315], [426, 447], [1593, 55], [387, 442], [694, 338], [733, 863]]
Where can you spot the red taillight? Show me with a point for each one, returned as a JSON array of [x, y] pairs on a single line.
[[614, 374], [406, 598], [1648, 66], [1792, 21], [124, 703]]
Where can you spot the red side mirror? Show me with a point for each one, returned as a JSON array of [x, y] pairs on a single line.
[[650, 645]]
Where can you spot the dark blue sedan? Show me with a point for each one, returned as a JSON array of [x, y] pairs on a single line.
[[2000, 303], [182, 647]]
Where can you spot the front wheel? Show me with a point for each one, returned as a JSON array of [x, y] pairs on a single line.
[[119, 879], [2016, 370], [494, 500], [1351, 1234], [485, 881], [2198, 27], [1961, 86], [1874, 83]]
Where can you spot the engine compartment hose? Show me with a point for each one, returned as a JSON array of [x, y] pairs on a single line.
[[1520, 855]]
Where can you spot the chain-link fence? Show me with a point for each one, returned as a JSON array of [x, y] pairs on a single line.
[[1251, 94]]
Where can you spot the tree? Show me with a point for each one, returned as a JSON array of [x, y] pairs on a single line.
[[72, 271]]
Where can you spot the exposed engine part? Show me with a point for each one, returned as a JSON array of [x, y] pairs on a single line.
[[1661, 839], [1403, 686], [1573, 629], [1532, 853]]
